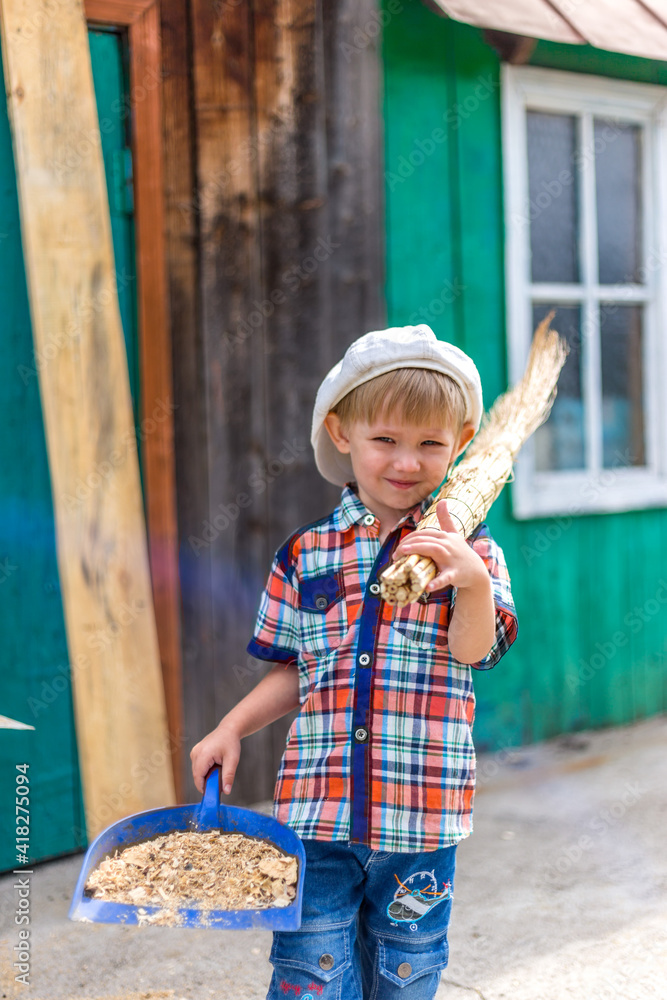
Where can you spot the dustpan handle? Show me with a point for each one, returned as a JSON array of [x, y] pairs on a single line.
[[210, 803]]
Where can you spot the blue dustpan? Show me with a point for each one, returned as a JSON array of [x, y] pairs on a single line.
[[210, 814]]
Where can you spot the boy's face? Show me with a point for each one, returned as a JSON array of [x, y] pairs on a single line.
[[397, 464]]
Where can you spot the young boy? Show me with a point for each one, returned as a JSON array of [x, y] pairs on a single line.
[[378, 773]]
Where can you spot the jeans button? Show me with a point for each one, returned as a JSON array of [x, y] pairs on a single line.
[[326, 962], [404, 970]]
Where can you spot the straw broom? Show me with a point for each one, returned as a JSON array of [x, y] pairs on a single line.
[[487, 465]]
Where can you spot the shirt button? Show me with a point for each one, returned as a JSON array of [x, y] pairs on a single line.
[[326, 962], [404, 970], [361, 734], [369, 519], [375, 588], [321, 602], [364, 659]]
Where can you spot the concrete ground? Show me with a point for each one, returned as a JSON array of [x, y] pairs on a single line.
[[560, 892]]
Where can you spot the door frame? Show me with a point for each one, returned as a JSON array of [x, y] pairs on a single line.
[[142, 20]]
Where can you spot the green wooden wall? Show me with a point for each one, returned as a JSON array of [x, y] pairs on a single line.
[[35, 682], [592, 644]]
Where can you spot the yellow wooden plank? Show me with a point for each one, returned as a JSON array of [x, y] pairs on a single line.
[[102, 553]]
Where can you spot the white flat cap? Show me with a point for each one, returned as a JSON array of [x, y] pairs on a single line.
[[375, 354]]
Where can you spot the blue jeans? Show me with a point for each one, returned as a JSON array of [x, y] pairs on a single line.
[[374, 926]]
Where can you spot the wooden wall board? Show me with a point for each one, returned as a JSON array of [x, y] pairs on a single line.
[[354, 140], [232, 352], [190, 427], [290, 273], [295, 220], [102, 552]]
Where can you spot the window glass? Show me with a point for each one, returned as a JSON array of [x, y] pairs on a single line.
[[552, 143], [622, 383], [559, 442], [618, 197]]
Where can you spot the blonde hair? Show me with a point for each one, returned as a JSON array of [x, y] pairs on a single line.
[[415, 395]]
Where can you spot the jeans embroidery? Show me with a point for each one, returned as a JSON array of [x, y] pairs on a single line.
[[286, 987], [415, 897], [316, 987]]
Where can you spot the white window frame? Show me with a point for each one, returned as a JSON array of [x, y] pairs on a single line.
[[594, 489]]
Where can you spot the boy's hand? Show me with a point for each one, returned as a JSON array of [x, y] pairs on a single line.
[[223, 747], [458, 564]]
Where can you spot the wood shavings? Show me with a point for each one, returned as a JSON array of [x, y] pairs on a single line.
[[207, 870]]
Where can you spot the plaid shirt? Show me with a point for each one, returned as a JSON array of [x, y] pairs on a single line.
[[381, 752]]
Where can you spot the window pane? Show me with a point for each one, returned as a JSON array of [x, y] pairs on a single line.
[[552, 189], [618, 189], [622, 383], [559, 443]]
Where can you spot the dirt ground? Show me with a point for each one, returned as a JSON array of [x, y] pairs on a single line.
[[561, 892]]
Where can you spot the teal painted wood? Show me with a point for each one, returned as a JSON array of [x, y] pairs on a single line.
[[110, 63], [423, 276], [109, 53], [582, 585], [35, 679], [586, 59]]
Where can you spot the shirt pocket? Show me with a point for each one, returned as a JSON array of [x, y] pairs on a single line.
[[322, 613], [425, 622]]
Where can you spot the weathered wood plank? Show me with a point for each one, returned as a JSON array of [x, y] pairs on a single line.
[[190, 429], [157, 424], [319, 180], [282, 296], [102, 552], [296, 221], [233, 358], [352, 36], [293, 216], [117, 11]]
